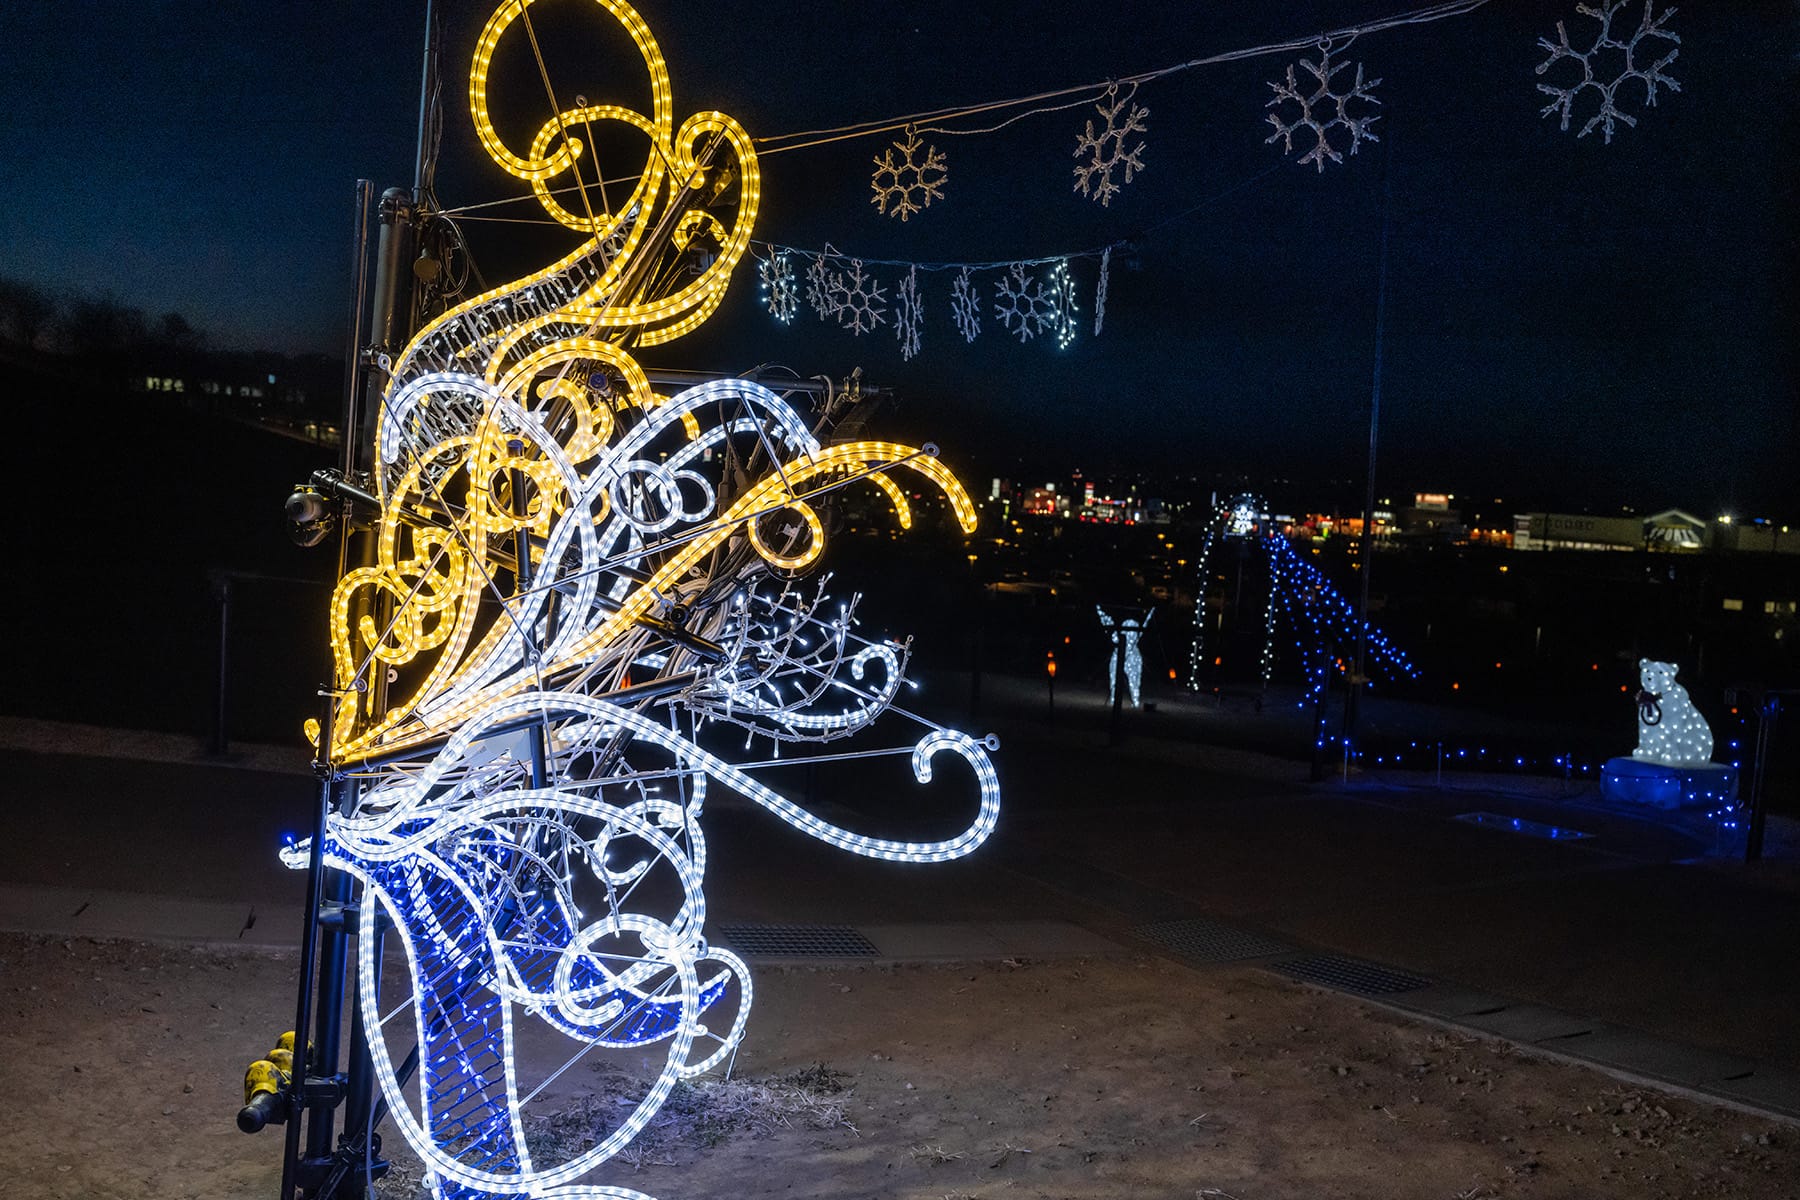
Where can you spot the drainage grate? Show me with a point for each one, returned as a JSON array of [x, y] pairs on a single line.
[[1206, 941], [1350, 975], [797, 941]]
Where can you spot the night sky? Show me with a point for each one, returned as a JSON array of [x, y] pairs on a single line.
[[1568, 322]]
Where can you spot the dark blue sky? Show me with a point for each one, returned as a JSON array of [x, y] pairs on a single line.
[[1567, 320]]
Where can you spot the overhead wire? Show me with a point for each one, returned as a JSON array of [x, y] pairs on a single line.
[[930, 121], [1337, 39]]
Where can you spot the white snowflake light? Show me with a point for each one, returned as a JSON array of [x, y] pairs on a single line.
[[1100, 290], [1062, 298], [1105, 149], [909, 314], [1627, 63], [819, 293], [1023, 304], [965, 305], [860, 302], [903, 183], [1322, 109], [780, 291]]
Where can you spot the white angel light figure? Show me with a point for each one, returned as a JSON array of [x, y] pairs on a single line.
[[1125, 635]]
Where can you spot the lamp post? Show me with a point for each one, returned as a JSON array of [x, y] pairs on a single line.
[[1364, 550]]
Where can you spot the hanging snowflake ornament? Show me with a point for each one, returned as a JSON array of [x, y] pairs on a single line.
[[965, 305], [1321, 109], [1023, 304], [780, 290], [909, 314], [1624, 56], [1100, 290], [861, 303], [819, 292], [904, 183], [1105, 148], [1064, 308]]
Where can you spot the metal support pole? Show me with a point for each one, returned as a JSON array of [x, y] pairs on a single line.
[[221, 742], [349, 430], [328, 1012], [1365, 549], [388, 317], [1767, 712], [522, 582], [428, 77], [309, 947]]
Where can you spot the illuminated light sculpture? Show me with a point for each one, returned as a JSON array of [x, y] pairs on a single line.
[[1587, 73], [1103, 151], [1125, 634], [1321, 619], [1320, 109], [1672, 766], [1671, 730], [905, 183], [573, 577]]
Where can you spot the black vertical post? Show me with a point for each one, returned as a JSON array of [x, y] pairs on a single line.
[[328, 1013], [522, 587], [1767, 711], [309, 948], [359, 309], [1364, 550], [221, 741]]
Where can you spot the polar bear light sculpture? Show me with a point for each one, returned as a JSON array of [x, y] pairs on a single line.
[[1671, 730]]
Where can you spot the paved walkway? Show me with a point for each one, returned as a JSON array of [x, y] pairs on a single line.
[[1617, 949]]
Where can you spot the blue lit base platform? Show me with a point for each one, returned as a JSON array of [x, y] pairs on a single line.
[[1653, 785]]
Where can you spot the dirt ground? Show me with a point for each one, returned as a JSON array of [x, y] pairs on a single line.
[[1095, 1079]]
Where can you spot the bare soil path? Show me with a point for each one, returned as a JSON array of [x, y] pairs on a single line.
[[1072, 1080]]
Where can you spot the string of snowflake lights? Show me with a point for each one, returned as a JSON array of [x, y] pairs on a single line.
[[574, 578], [1324, 624], [1038, 297], [1591, 59], [1320, 109], [905, 184]]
